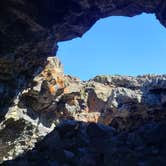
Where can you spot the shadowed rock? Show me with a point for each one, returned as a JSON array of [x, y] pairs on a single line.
[[79, 144], [30, 30], [125, 103], [35, 94]]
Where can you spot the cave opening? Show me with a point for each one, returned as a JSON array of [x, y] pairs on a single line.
[[117, 45]]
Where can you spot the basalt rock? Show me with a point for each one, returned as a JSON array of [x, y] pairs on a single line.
[[30, 30], [123, 102], [110, 119], [80, 144]]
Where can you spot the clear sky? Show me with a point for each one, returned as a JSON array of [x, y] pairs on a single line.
[[117, 45]]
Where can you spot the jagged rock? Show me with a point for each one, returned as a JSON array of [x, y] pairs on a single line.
[[144, 145], [35, 94], [122, 102], [46, 84], [16, 137], [30, 30]]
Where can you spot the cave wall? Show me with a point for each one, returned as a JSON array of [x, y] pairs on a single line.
[[30, 29], [24, 21], [34, 92]]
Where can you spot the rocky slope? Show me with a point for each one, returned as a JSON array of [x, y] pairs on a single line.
[[130, 105], [36, 96], [30, 30], [79, 144]]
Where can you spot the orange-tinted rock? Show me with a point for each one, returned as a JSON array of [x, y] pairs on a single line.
[[122, 102], [88, 117]]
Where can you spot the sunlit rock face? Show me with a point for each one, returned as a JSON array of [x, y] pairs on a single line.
[[35, 94], [125, 103], [29, 31]]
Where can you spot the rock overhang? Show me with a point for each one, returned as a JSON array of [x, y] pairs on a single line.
[[28, 32], [25, 21]]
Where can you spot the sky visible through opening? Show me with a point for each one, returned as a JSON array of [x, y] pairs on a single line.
[[117, 45]]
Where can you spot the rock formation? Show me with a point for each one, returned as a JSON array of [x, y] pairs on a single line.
[[30, 29], [128, 104], [108, 120], [79, 144]]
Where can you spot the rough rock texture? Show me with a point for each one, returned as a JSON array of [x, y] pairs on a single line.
[[130, 105], [30, 29], [35, 95], [79, 144]]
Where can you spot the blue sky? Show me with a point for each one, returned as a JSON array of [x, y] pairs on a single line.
[[117, 45]]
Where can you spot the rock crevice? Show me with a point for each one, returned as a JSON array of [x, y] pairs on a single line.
[[123, 102], [35, 95]]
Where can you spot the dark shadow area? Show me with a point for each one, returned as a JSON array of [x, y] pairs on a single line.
[[12, 86], [29, 29], [11, 131], [28, 32], [74, 143]]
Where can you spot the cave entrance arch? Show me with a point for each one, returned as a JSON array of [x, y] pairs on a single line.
[[117, 45]]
